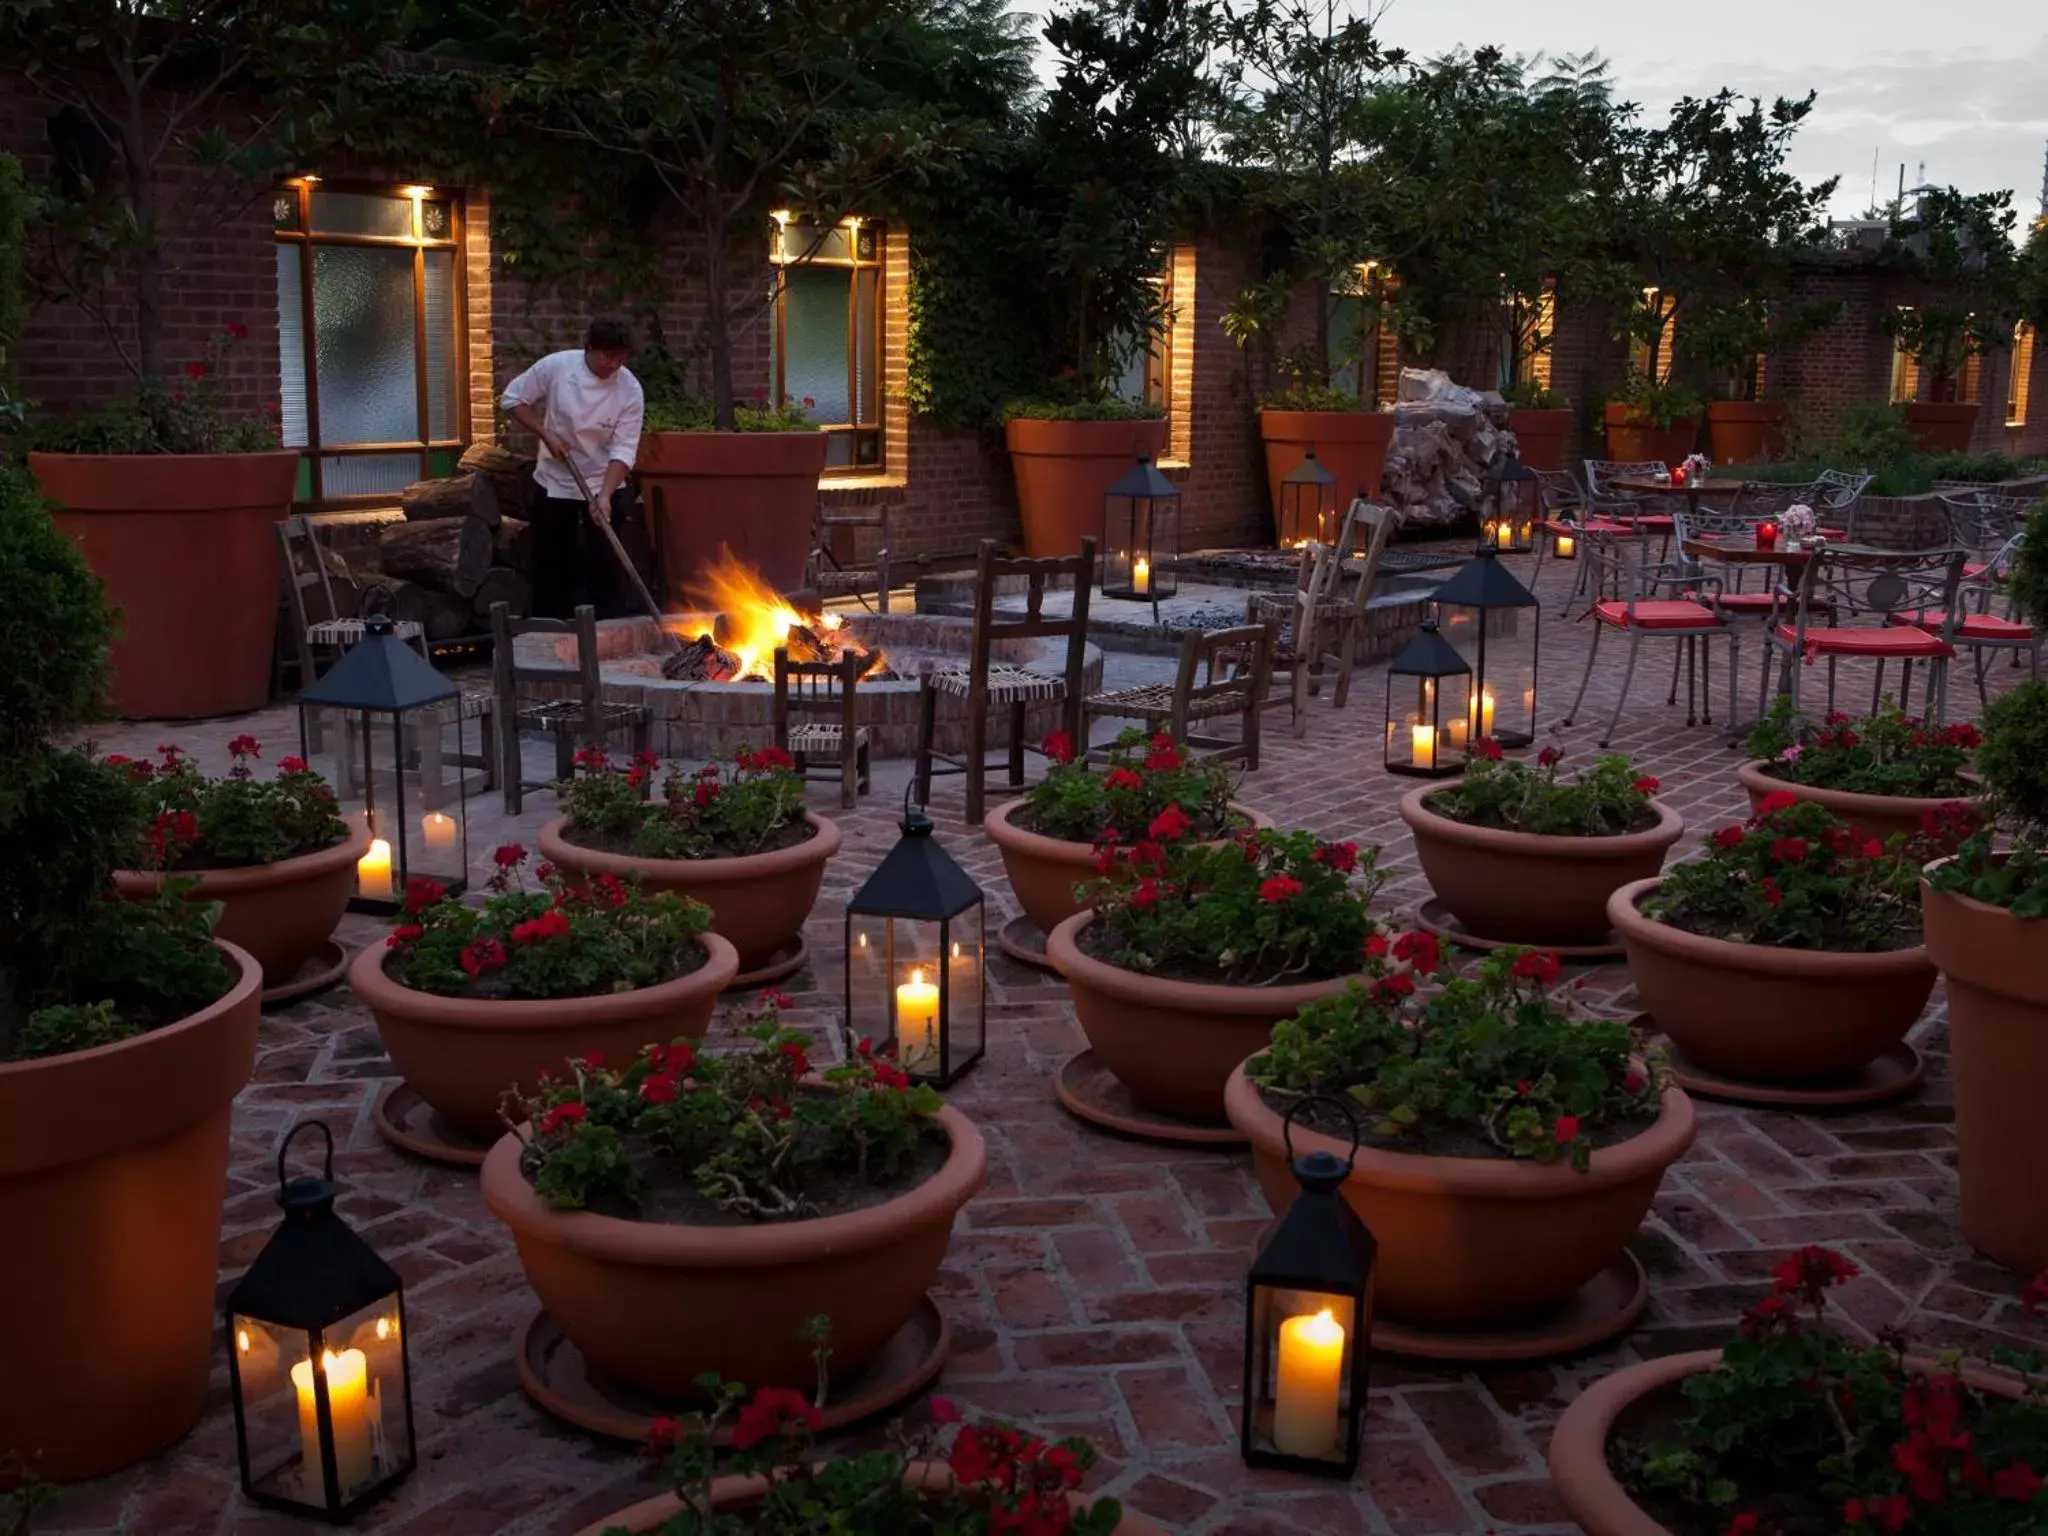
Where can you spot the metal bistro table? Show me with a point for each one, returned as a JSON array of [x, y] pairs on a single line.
[[1692, 490]]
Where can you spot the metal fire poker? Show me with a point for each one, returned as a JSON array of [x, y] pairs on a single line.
[[611, 537]]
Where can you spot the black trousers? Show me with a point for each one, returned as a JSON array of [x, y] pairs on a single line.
[[573, 562]]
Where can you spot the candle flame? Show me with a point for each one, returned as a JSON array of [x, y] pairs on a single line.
[[916, 977], [242, 1340], [1323, 1328], [384, 1327]]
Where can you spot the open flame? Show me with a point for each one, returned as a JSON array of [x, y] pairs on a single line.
[[738, 611]]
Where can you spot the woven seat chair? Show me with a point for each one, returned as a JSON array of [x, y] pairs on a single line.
[[817, 716], [1243, 656], [588, 719], [836, 567], [1297, 620]]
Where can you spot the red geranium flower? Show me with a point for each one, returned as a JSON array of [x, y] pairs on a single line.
[[798, 1058], [1646, 785], [1788, 850], [569, 1113], [245, 745], [1565, 1131], [482, 955], [971, 1461], [195, 370], [774, 1411], [551, 924], [421, 893], [236, 330], [1146, 894], [1391, 989], [1873, 849], [596, 759], [662, 1435], [1812, 1270], [2018, 1482], [510, 856], [2034, 1294], [1170, 823], [1058, 747], [1747, 1523], [1768, 1315], [1279, 888], [1770, 892], [1122, 778], [889, 1075], [1539, 966], [1375, 945], [1342, 857], [944, 1411], [1777, 800], [1420, 950], [1548, 756], [291, 765], [1486, 747], [405, 933], [1634, 1080]]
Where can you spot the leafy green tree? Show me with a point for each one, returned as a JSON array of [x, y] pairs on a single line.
[[1958, 250], [2034, 276]]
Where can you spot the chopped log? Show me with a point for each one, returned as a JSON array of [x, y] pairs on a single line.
[[513, 544], [510, 474], [501, 584], [700, 660], [448, 554], [448, 616], [455, 496], [441, 615]]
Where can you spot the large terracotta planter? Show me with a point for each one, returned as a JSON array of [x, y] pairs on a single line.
[[656, 1305], [1172, 1042], [1064, 469], [1043, 870], [1632, 440], [1539, 437], [1941, 427], [1525, 888], [1998, 1056], [1878, 816], [1767, 1014], [758, 902], [727, 1493], [1745, 431], [113, 1167], [1473, 1243], [755, 493], [281, 913], [460, 1054], [1352, 445], [184, 544]]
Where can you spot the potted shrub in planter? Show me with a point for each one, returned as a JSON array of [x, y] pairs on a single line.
[[1513, 1148], [656, 1201], [1066, 457], [469, 1001], [1349, 437], [736, 838], [1794, 1426], [125, 1033], [1986, 911], [1652, 423], [1732, 336], [979, 1480], [1886, 774], [1789, 953], [271, 852], [1521, 856], [1193, 951], [1541, 419], [1068, 827]]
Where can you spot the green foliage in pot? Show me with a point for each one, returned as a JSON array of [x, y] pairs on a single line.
[[1794, 876], [190, 414], [1605, 800], [1485, 1064], [53, 609], [1660, 405], [232, 822], [1886, 753], [1731, 335], [742, 1127], [750, 806], [1041, 409], [1959, 249], [2013, 762], [672, 407], [1528, 395], [1266, 909], [1148, 789], [1802, 1427], [2027, 577]]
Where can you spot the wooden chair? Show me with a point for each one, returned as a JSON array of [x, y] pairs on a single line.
[[1244, 658], [820, 695], [1296, 621], [320, 630], [1372, 526], [987, 684], [586, 720], [834, 568]]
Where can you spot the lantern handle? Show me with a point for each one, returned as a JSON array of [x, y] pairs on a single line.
[[1350, 1119], [327, 1169]]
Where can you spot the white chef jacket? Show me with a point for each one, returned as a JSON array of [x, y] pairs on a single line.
[[600, 418]]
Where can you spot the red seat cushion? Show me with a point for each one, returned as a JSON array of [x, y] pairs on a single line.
[[1660, 614], [1975, 626], [1983, 571], [1558, 525], [1618, 530], [1655, 523], [1747, 603], [1890, 643]]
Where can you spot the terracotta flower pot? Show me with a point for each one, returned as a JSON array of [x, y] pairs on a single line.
[[648, 1516], [1043, 870], [1632, 440], [1745, 431], [183, 543], [1352, 445], [758, 902], [1767, 1014], [1172, 1043], [693, 482], [1578, 1445], [113, 1167], [654, 1304], [1941, 427], [1998, 1055], [1476, 1243], [1539, 437], [1528, 888], [281, 913], [1878, 816], [1065, 468], [460, 1054]]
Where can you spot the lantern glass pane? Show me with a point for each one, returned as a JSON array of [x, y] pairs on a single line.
[[869, 996], [1122, 545], [1302, 1371], [405, 777], [269, 1359], [966, 1005], [1426, 722], [354, 751], [1307, 511], [893, 981], [431, 841]]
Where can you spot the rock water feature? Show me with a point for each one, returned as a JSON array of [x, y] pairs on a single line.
[[1447, 439]]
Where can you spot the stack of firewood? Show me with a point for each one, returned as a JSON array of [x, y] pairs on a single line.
[[458, 550]]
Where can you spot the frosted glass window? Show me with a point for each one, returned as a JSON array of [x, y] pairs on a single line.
[[291, 348], [363, 344], [1349, 350], [867, 351], [362, 213], [807, 242], [440, 312], [369, 474], [814, 342]]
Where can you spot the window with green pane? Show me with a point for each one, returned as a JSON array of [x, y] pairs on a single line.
[[369, 309], [827, 316]]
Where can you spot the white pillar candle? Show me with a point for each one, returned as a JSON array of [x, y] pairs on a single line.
[[348, 1406], [438, 827], [1310, 1378], [917, 1020], [1141, 575], [1422, 745], [373, 870]]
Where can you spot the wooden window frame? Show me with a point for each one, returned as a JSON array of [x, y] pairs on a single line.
[[2019, 380], [307, 239], [854, 265]]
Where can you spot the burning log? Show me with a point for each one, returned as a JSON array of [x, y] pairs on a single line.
[[700, 659]]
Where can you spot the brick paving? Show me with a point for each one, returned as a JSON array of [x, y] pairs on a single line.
[[1094, 1287]]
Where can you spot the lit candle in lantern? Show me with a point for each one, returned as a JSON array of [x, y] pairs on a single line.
[[1766, 535], [1486, 711], [373, 869], [1567, 546], [1141, 575], [348, 1404], [439, 828], [1422, 745], [1459, 730], [1311, 1375], [917, 1020]]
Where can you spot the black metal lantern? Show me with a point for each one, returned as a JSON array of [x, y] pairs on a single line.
[[388, 733], [916, 938], [1429, 690], [1141, 536], [317, 1359], [1308, 504], [1308, 1322], [1492, 618], [1512, 509]]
